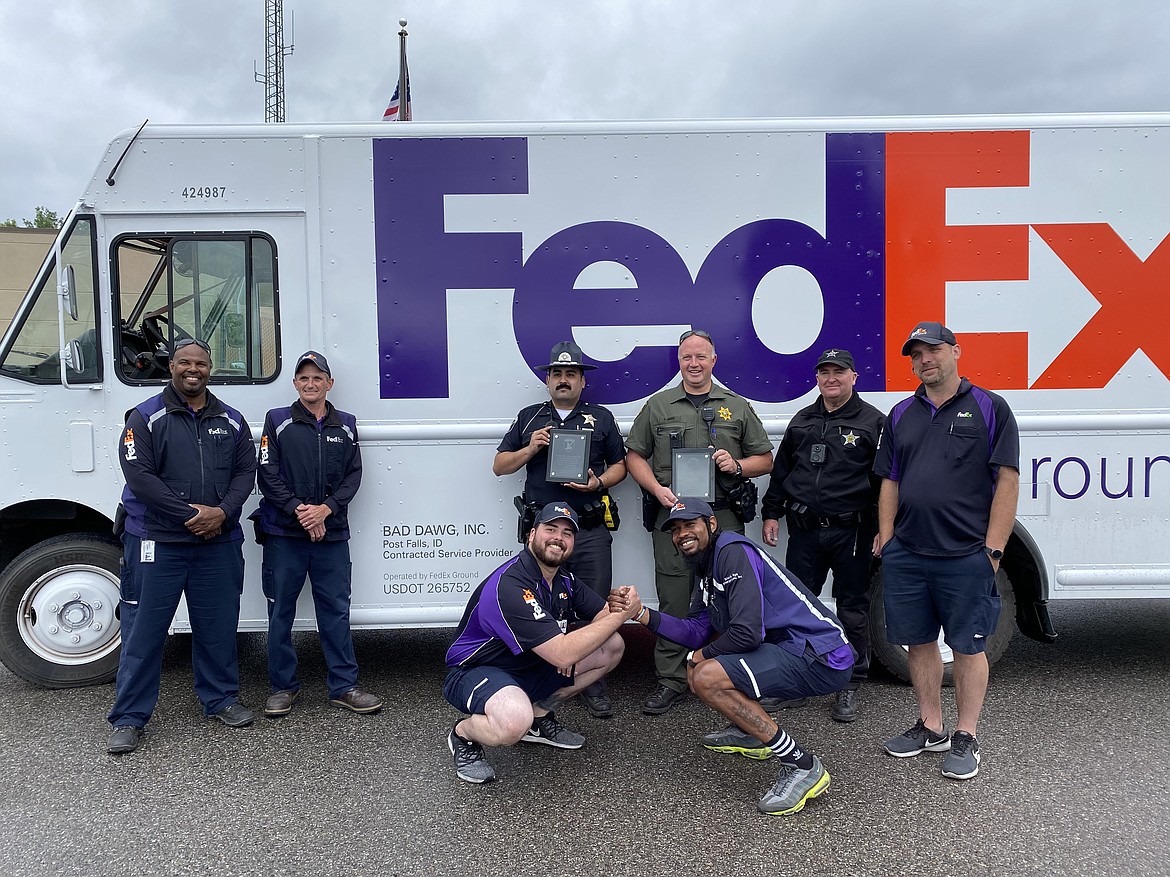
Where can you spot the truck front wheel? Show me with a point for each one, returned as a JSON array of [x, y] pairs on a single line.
[[895, 658], [59, 603]]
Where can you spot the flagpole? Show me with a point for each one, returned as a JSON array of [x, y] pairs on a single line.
[[403, 75]]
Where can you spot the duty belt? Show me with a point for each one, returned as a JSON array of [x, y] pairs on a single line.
[[806, 520]]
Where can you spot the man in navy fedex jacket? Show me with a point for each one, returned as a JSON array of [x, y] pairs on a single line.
[[189, 464], [756, 631], [310, 469]]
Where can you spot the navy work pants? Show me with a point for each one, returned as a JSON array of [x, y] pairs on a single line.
[[211, 574], [286, 563]]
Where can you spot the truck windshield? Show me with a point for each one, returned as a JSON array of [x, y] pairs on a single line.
[[33, 352]]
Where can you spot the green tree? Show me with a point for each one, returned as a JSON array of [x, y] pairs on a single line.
[[44, 218]]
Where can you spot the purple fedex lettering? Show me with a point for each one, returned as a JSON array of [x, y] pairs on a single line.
[[664, 294], [847, 264], [417, 261]]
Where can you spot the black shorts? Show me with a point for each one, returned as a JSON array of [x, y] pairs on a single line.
[[469, 688]]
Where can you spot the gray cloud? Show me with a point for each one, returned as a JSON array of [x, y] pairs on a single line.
[[75, 73]]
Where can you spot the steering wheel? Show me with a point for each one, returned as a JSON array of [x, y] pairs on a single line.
[[157, 329], [154, 333]]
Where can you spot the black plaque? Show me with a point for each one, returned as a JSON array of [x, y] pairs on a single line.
[[692, 473], [568, 456]]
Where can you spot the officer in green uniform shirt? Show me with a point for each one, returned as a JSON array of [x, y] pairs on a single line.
[[696, 413]]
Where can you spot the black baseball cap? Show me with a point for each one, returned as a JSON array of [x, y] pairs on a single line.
[[687, 510], [565, 355], [312, 356], [554, 511], [837, 356], [929, 333]]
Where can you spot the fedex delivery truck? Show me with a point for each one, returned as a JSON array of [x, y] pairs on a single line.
[[436, 265]]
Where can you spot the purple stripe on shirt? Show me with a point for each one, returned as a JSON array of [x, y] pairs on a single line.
[[987, 409], [888, 435]]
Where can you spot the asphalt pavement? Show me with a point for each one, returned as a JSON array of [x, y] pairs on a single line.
[[1075, 778]]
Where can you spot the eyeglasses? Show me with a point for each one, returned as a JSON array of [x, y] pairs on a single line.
[[702, 333]]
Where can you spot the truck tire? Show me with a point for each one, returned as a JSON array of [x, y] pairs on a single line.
[[59, 604], [895, 658]]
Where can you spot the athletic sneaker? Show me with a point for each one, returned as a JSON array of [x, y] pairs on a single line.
[[962, 762], [470, 763], [550, 732], [732, 739], [919, 739], [794, 787]]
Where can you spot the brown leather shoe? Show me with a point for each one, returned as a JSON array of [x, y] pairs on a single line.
[[280, 703], [359, 701]]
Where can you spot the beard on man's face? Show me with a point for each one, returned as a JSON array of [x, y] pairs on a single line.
[[700, 560]]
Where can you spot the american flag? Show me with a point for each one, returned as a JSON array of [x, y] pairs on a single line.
[[393, 112]]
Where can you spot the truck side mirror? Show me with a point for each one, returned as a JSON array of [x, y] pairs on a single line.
[[69, 291], [74, 358]]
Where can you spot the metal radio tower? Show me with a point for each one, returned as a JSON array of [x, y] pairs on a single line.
[[274, 52]]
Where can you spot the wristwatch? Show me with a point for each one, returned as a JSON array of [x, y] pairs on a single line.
[[691, 659], [993, 553]]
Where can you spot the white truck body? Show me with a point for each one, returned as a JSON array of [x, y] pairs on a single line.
[[436, 265]]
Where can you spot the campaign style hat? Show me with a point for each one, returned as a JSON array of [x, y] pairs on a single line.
[[316, 359], [554, 511], [687, 510], [837, 356], [929, 333], [565, 355]]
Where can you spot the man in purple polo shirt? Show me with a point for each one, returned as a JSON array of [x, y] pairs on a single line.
[[949, 459], [531, 634], [756, 631]]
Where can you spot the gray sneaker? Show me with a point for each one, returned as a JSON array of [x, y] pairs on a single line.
[[919, 739], [550, 732], [794, 788], [471, 765], [962, 762], [732, 739]]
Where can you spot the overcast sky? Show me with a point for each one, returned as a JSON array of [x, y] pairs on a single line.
[[73, 73]]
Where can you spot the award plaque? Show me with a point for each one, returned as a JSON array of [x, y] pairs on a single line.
[[692, 473], [568, 456]]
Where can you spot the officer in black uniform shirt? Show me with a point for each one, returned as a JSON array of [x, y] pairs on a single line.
[[526, 445], [822, 484]]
